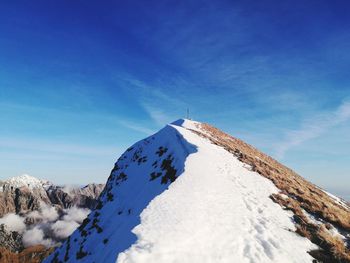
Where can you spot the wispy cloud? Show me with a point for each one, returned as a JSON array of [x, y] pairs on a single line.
[[64, 114], [56, 147], [313, 128], [162, 107], [157, 115], [136, 127]]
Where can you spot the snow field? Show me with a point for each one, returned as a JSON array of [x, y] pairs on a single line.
[[216, 211]]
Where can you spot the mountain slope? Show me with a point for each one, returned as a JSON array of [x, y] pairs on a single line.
[[318, 215], [190, 193], [25, 193], [34, 211], [34, 254]]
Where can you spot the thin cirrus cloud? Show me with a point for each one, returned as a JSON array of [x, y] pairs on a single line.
[[55, 147], [161, 107], [136, 127], [71, 116], [236, 65], [313, 128], [157, 115]]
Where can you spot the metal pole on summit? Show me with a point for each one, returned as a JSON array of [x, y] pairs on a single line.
[[188, 113]]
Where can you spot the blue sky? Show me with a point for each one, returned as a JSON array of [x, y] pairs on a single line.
[[80, 81]]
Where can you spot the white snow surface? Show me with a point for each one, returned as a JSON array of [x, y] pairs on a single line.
[[25, 180], [215, 211]]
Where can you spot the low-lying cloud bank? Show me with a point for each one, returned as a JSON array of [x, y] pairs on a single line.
[[48, 226], [13, 222]]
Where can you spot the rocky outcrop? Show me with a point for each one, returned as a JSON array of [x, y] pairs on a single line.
[[82, 197], [25, 193], [17, 200], [10, 240], [12, 250]]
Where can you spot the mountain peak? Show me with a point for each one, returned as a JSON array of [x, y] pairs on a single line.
[[214, 197], [24, 180], [187, 123]]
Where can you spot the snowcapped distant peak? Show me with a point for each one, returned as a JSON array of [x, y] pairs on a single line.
[[25, 180]]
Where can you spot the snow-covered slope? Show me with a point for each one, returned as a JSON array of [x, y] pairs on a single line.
[[176, 197]]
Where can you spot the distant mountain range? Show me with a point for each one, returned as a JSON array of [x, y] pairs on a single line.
[[36, 212], [25, 193]]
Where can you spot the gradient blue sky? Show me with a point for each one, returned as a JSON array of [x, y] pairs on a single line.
[[80, 81]]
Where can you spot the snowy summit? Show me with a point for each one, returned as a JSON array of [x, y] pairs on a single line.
[[25, 180], [191, 193]]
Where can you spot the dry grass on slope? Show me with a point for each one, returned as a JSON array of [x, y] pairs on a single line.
[[296, 195], [34, 254]]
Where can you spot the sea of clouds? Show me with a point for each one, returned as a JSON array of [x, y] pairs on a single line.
[[48, 225]]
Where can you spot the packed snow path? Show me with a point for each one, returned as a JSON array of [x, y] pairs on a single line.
[[217, 211]]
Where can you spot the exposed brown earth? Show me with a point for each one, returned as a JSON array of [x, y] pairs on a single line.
[[296, 194], [34, 254]]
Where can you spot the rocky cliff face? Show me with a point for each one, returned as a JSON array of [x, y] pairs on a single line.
[[22, 193], [82, 197], [10, 240], [25, 193], [12, 249]]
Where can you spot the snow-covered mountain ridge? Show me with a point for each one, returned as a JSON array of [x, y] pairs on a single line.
[[191, 193]]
